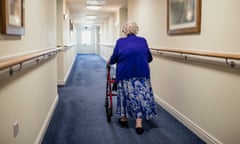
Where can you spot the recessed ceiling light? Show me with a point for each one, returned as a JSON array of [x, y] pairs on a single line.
[[94, 7], [89, 21], [96, 2], [91, 16]]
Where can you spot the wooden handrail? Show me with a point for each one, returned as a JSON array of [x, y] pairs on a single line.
[[66, 47], [9, 62], [107, 45], [200, 53]]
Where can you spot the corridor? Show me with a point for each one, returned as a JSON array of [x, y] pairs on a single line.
[[80, 116], [53, 57]]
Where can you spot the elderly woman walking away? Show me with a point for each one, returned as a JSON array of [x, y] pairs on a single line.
[[135, 95]]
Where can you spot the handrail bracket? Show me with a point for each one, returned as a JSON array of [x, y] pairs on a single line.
[[12, 70], [231, 63]]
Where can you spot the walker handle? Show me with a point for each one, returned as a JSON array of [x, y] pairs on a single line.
[[108, 66]]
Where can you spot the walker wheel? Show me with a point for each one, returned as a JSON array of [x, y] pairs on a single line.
[[109, 114], [108, 111]]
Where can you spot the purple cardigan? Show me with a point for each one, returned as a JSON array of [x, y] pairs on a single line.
[[132, 56]]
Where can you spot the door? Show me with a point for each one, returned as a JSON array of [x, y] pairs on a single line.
[[87, 40]]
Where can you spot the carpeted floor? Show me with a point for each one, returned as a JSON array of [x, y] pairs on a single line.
[[80, 116]]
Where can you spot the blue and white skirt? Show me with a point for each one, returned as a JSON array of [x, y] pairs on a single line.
[[135, 98]]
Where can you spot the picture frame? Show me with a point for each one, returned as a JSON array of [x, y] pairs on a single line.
[[183, 17], [12, 17]]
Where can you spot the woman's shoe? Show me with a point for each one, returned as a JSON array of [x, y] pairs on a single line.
[[139, 130], [123, 123]]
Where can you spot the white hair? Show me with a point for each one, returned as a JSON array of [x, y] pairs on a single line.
[[129, 27]]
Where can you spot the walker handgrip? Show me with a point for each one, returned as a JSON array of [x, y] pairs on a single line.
[[108, 66]]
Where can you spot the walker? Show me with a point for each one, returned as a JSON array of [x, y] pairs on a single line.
[[111, 91]]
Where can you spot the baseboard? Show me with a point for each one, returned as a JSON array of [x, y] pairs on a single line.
[[46, 122], [208, 138], [69, 70], [63, 82], [104, 58]]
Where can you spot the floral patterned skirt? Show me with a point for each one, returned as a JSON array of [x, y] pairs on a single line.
[[135, 98]]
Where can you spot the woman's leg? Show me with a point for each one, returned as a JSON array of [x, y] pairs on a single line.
[[139, 128], [123, 119], [138, 123]]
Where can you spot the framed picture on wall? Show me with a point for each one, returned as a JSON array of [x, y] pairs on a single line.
[[183, 16], [12, 17]]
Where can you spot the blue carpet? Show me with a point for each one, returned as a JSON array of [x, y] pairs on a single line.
[[80, 116]]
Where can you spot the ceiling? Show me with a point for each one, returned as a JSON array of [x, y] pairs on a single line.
[[79, 11]]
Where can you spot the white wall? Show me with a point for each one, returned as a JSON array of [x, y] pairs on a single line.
[[65, 37], [206, 95], [65, 61], [28, 96], [108, 36], [110, 32]]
